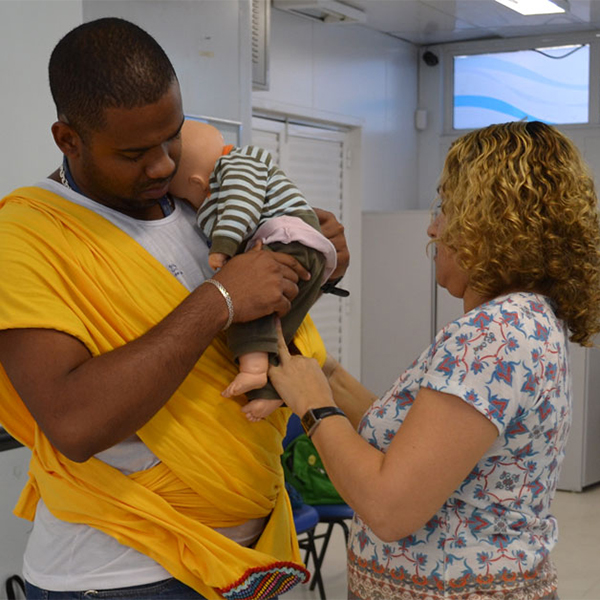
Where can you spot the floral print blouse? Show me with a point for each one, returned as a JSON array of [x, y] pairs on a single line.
[[509, 359]]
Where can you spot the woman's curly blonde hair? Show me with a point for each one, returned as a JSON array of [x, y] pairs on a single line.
[[521, 214]]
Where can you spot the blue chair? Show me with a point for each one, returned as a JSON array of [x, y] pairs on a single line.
[[331, 514], [306, 519], [294, 429]]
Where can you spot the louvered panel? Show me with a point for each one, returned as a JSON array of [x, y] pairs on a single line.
[[327, 315], [268, 140], [315, 164]]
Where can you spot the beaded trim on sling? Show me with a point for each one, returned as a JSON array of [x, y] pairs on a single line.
[[266, 582]]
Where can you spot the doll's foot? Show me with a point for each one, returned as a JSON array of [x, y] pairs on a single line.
[[244, 382], [259, 409]]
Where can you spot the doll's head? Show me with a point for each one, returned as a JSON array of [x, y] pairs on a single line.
[[201, 147]]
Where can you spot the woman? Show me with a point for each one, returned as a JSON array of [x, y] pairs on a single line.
[[452, 472]]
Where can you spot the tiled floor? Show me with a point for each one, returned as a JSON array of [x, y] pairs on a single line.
[[577, 555]]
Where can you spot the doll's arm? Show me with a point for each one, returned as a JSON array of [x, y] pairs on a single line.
[[216, 260]]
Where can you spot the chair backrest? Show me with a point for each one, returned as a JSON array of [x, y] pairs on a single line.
[[294, 429], [305, 518]]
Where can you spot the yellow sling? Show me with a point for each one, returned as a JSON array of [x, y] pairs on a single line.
[[66, 268]]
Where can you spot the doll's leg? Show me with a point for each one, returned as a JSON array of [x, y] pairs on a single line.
[[252, 375], [258, 409], [260, 406], [243, 339]]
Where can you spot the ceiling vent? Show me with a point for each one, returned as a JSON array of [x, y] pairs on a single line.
[[326, 11]]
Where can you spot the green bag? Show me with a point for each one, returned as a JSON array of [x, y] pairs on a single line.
[[304, 470]]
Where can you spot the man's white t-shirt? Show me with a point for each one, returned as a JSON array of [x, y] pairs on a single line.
[[63, 556]]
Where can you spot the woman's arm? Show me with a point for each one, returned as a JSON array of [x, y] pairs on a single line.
[[396, 493], [348, 393]]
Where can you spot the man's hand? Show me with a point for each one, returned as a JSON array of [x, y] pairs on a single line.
[[261, 282], [333, 230]]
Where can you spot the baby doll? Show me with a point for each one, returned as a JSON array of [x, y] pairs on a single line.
[[243, 197]]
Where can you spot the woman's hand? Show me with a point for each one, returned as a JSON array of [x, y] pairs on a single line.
[[299, 381]]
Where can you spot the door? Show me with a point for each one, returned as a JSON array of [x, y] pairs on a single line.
[[315, 159]]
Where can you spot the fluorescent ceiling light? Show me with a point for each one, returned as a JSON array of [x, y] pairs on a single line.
[[536, 7]]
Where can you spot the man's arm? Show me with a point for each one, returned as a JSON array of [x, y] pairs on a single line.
[[86, 404]]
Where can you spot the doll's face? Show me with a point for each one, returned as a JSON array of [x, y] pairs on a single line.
[[202, 145]]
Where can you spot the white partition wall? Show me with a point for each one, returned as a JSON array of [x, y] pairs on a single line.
[[396, 295], [582, 460], [328, 72]]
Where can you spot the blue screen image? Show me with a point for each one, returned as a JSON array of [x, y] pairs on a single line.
[[549, 85]]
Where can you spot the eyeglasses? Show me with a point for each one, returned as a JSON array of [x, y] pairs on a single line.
[[436, 208]]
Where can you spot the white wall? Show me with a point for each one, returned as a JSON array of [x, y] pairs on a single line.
[[208, 42], [397, 314], [28, 32], [351, 75], [339, 71]]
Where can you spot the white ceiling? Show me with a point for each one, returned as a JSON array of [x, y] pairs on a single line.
[[426, 22]]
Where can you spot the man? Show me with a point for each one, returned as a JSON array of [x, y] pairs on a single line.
[[142, 476]]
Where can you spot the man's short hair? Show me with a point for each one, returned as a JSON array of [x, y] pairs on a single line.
[[107, 63]]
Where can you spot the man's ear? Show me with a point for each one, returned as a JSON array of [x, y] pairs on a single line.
[[66, 138]]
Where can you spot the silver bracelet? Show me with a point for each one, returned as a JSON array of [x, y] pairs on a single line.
[[227, 297]]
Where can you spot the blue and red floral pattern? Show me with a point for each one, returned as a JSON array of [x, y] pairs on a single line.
[[509, 359]]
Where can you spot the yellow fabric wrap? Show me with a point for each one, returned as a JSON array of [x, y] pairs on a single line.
[[66, 268]]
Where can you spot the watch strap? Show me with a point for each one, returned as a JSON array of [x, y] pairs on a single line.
[[311, 419]]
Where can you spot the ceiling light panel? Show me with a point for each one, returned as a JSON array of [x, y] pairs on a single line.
[[535, 7]]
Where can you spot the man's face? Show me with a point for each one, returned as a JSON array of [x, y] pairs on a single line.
[[129, 163]]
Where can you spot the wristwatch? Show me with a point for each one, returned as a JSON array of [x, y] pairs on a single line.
[[313, 416]]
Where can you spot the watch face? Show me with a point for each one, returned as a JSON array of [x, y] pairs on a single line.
[[314, 416], [308, 420]]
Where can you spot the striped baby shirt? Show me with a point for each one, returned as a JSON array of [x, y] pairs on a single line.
[[246, 189]]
